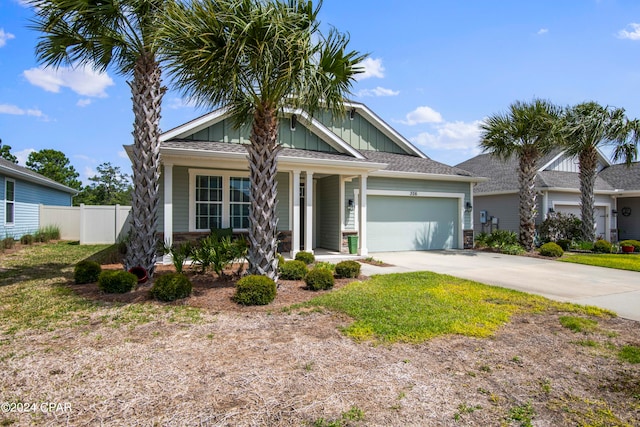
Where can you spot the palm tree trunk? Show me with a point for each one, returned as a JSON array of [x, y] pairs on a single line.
[[588, 161], [263, 165], [527, 180], [147, 92]]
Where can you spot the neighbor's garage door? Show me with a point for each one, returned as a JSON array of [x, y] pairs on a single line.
[[600, 217], [396, 223]]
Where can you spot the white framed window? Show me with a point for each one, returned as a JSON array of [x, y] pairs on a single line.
[[9, 201], [218, 199]]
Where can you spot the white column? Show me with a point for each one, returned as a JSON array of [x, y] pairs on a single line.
[[308, 213], [168, 210], [295, 220], [362, 213]]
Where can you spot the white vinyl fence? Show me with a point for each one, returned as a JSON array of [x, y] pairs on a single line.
[[88, 223]]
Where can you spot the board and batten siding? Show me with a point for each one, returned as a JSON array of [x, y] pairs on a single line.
[[360, 133], [28, 197], [570, 164], [300, 138], [328, 213]]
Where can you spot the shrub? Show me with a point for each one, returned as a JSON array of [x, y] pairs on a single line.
[[305, 257], [514, 249], [179, 254], [551, 249], [564, 244], [116, 281], [560, 226], [348, 269], [27, 239], [324, 265], [481, 240], [218, 252], [86, 272], [8, 243], [47, 233], [319, 279], [293, 270], [255, 290], [170, 287], [583, 245], [281, 259], [634, 243], [601, 246], [501, 238]]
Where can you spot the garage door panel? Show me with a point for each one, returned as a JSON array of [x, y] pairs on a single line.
[[407, 223]]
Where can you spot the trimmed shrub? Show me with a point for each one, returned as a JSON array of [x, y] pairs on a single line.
[[325, 265], [551, 249], [564, 244], [305, 257], [86, 272], [293, 270], [319, 279], [348, 269], [602, 247], [255, 290], [170, 287], [116, 281], [281, 259], [634, 243], [27, 239]]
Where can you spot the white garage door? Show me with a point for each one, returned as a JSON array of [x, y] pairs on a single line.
[[397, 223], [600, 218]]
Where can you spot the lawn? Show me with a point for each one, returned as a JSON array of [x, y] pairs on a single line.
[[401, 349], [619, 261]]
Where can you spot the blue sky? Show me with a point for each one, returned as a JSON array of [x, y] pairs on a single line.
[[436, 69]]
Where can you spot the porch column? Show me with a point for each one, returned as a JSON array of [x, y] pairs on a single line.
[[308, 213], [295, 216], [168, 210], [362, 217]]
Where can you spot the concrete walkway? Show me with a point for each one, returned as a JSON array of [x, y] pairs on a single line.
[[617, 290]]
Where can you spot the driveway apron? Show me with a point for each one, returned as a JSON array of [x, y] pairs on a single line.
[[616, 290]]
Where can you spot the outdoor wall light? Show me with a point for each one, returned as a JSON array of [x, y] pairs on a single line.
[[468, 207], [350, 204], [551, 210], [614, 212], [352, 113], [294, 122]]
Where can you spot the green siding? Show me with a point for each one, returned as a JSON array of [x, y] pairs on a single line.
[[349, 216], [328, 213], [282, 210]]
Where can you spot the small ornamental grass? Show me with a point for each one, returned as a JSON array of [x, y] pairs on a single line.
[[117, 281], [86, 272], [319, 279], [255, 290], [348, 269], [306, 257], [293, 270], [170, 287], [551, 250]]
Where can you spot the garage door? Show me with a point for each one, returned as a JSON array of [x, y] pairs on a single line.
[[411, 223], [600, 217]]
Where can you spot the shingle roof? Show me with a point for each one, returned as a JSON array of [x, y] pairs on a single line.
[[18, 171], [622, 177], [503, 175], [395, 162]]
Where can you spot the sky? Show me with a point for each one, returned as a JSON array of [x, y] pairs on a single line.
[[436, 69]]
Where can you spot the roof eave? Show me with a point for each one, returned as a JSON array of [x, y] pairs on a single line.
[[432, 176], [28, 177]]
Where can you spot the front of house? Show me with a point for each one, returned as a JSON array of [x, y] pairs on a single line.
[[336, 178]]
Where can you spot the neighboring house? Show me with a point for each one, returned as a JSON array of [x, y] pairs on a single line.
[[558, 185], [22, 191], [354, 176]]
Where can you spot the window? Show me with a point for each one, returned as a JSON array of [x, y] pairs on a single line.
[[208, 202], [9, 197], [239, 202]]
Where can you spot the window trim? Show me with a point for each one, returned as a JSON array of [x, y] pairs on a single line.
[[7, 202], [226, 194]]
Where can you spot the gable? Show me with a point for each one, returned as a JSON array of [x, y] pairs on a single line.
[[560, 162]]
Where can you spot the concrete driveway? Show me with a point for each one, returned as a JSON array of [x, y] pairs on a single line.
[[617, 290]]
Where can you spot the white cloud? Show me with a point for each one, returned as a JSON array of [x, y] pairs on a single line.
[[377, 91], [23, 155], [87, 173], [176, 103], [17, 111], [372, 68], [123, 154], [422, 114], [83, 80], [542, 31], [4, 37], [634, 34], [458, 135], [83, 102]]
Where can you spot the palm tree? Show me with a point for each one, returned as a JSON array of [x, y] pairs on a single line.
[[119, 34], [588, 126], [256, 58], [527, 131]]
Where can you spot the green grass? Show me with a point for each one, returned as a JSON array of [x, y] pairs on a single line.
[[414, 307], [619, 261], [630, 353], [35, 293], [578, 324]]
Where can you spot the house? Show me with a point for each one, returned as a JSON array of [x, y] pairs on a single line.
[[354, 176], [22, 191], [558, 186]]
